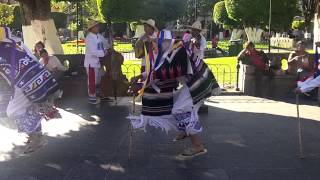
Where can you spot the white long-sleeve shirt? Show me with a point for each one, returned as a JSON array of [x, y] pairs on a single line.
[[94, 50], [200, 52], [53, 64], [106, 42]]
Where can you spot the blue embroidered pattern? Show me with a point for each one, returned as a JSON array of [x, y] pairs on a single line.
[[28, 74]]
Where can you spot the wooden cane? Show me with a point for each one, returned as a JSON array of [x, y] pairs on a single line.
[[131, 129], [115, 89], [301, 154]]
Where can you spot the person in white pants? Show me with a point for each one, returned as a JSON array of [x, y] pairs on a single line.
[[94, 51]]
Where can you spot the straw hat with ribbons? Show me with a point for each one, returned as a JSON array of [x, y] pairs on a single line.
[[151, 23], [196, 25], [92, 23]]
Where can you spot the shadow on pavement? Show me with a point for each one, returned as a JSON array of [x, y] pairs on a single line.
[[241, 146]]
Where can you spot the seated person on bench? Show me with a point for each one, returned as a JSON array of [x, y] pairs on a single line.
[[260, 61]]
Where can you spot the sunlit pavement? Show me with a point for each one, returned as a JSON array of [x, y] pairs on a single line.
[[247, 138]]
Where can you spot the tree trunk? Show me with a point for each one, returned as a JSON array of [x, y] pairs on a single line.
[[236, 34], [253, 34], [37, 25]]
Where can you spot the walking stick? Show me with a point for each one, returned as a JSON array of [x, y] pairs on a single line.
[[301, 154], [131, 129], [115, 89]]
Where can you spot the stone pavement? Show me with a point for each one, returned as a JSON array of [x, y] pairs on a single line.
[[247, 139]]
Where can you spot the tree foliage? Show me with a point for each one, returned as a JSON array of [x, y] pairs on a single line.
[[162, 11], [6, 14], [118, 10], [17, 23], [308, 8], [204, 7], [248, 12], [132, 10], [220, 15], [10, 15], [255, 13], [283, 13], [196, 8], [87, 10], [299, 25]]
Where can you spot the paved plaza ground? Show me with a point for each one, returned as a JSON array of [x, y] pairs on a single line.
[[247, 139]]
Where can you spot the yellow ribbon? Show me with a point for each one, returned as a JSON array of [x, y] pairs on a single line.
[[147, 70], [2, 34], [177, 45]]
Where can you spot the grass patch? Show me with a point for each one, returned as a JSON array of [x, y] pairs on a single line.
[[224, 45], [123, 47], [223, 68], [311, 51], [229, 61], [71, 48]]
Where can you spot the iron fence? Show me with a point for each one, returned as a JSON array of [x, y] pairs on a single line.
[[129, 56], [223, 73]]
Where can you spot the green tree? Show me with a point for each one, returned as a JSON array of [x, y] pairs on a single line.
[[254, 15], [6, 14], [162, 11], [220, 15], [299, 25], [256, 12], [248, 12], [196, 8], [90, 8], [204, 7], [118, 10], [132, 10], [283, 13], [308, 8], [16, 24]]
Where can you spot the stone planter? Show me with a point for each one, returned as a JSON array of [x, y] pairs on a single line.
[[279, 86]]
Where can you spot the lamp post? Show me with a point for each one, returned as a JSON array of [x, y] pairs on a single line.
[[270, 13], [195, 10], [77, 11]]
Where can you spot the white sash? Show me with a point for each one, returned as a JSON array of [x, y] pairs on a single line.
[[165, 55]]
